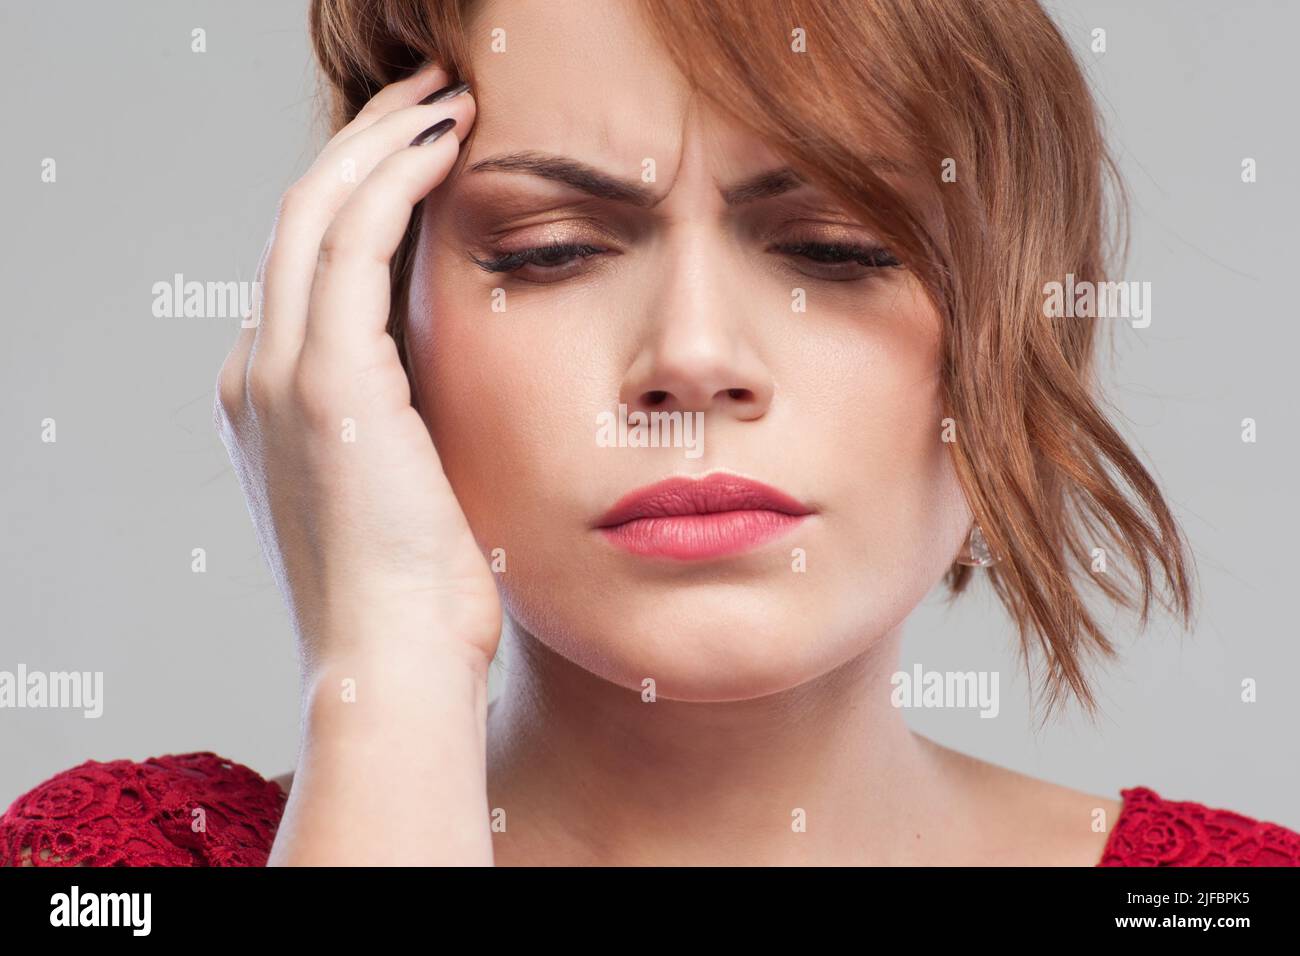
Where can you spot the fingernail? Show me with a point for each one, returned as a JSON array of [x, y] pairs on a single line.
[[433, 132], [446, 93]]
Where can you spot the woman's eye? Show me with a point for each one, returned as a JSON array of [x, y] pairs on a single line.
[[540, 263], [838, 262]]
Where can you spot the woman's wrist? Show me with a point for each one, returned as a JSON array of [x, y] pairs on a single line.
[[392, 765], [347, 690], [373, 634]]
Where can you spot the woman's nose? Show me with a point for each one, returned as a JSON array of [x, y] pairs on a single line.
[[699, 350]]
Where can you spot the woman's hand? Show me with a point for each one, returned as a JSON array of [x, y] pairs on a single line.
[[350, 501], [395, 607]]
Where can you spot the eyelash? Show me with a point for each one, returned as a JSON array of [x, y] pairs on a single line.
[[836, 253], [819, 253], [557, 254]]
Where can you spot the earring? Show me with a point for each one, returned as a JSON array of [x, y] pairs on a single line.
[[976, 554]]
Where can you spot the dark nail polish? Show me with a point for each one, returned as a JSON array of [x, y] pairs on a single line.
[[446, 93], [433, 132]]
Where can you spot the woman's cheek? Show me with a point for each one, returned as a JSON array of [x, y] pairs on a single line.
[[888, 470], [506, 405]]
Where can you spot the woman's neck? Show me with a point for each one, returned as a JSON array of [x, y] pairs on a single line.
[[589, 773]]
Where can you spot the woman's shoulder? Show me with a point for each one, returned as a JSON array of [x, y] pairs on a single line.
[[1154, 831], [191, 809]]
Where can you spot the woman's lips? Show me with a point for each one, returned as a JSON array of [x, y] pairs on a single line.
[[696, 518]]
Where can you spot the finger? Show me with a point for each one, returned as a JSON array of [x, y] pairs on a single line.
[[311, 204], [404, 92], [314, 203], [351, 294], [352, 160]]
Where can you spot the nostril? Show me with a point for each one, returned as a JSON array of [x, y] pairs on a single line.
[[740, 394], [656, 397]]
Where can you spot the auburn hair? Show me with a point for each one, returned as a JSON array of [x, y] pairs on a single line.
[[964, 133]]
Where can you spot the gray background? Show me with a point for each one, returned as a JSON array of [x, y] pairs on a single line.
[[170, 161]]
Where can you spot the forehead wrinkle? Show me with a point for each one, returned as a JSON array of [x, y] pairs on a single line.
[[677, 151], [697, 142]]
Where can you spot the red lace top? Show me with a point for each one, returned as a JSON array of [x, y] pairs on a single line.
[[199, 809]]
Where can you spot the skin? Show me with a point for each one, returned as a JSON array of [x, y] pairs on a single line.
[[772, 686]]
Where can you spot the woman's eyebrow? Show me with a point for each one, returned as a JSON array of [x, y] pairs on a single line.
[[774, 182], [573, 173], [589, 179]]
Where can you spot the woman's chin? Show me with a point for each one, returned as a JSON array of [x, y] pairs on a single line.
[[703, 657]]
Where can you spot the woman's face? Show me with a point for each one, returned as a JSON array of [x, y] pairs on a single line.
[[678, 288]]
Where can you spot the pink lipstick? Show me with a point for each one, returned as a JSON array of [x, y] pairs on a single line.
[[692, 519]]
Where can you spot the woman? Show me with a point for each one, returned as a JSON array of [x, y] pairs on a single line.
[[694, 343]]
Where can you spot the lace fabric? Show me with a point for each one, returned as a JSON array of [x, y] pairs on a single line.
[[1152, 831], [195, 809], [199, 809]]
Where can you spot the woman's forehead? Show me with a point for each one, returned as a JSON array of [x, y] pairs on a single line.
[[574, 78]]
